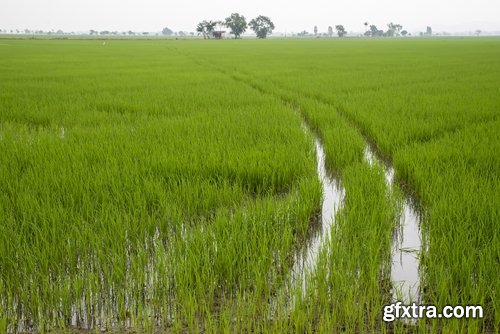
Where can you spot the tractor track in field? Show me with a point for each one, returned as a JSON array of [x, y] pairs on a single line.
[[407, 238]]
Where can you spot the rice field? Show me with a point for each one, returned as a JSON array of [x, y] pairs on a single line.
[[175, 185]]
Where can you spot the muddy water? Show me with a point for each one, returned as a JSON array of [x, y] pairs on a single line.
[[407, 242], [306, 259]]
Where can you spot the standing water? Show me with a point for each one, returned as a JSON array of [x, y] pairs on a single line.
[[306, 258], [406, 246]]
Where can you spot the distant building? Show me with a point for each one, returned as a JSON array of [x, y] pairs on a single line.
[[218, 34]]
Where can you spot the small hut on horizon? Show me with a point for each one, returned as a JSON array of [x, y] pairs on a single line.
[[218, 34]]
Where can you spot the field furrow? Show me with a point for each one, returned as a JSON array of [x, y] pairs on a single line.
[[169, 185]]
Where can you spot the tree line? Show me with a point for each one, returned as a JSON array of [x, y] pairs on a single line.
[[341, 32], [394, 29], [261, 25]]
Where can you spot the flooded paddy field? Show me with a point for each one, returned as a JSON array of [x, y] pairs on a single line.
[[248, 186]]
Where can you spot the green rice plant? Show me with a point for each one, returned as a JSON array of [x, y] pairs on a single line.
[[431, 105], [462, 210], [352, 283], [345, 279], [167, 184], [127, 202]]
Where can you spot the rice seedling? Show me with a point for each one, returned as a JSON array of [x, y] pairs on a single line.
[[157, 206], [168, 185], [407, 97]]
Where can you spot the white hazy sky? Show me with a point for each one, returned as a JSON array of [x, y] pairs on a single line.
[[288, 16]]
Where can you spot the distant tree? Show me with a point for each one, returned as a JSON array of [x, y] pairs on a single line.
[[262, 26], [478, 32], [394, 29], [390, 31], [206, 28], [60, 32], [398, 27], [428, 31], [303, 33], [218, 29], [200, 29], [167, 31], [210, 27], [366, 27], [330, 31], [373, 30], [340, 30], [315, 30], [237, 23], [404, 32]]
